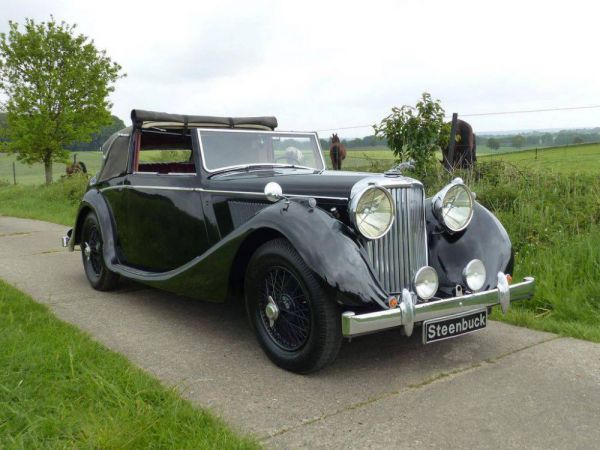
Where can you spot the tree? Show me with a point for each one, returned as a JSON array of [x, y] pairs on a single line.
[[578, 140], [517, 141], [547, 139], [57, 84], [2, 129], [493, 143], [99, 138], [533, 140], [415, 132]]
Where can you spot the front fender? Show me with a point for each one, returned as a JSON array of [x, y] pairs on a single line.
[[328, 247], [323, 242], [485, 238]]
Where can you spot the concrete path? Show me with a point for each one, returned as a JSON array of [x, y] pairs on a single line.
[[505, 387]]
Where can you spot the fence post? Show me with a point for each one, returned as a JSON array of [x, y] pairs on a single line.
[[450, 157], [74, 158], [14, 173]]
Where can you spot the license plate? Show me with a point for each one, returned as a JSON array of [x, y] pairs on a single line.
[[449, 327]]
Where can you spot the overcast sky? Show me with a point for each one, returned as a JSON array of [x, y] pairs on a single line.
[[325, 64]]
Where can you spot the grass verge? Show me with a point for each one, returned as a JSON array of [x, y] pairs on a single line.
[[60, 389], [553, 220], [56, 202]]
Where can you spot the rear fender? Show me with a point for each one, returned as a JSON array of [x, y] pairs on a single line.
[[94, 202]]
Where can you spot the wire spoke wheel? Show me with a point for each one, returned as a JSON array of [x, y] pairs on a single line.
[[296, 321], [92, 249], [290, 326], [96, 271]]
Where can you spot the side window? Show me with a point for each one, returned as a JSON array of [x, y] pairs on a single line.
[[165, 152], [116, 159]]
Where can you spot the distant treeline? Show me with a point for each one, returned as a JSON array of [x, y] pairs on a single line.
[[95, 143], [367, 141], [495, 141], [541, 139]]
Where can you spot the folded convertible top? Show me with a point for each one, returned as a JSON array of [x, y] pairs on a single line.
[[148, 119]]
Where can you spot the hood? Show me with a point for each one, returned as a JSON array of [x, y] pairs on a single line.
[[292, 181]]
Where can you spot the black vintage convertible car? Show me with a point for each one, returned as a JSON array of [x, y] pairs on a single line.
[[227, 208]]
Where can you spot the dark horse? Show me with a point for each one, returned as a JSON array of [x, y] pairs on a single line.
[[337, 152], [465, 149]]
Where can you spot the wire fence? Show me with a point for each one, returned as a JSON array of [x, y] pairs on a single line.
[[13, 172], [577, 154]]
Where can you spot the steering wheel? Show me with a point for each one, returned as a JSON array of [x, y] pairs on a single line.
[[288, 159]]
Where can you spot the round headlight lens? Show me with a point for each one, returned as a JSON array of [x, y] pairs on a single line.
[[372, 212], [456, 207], [426, 282], [474, 275]]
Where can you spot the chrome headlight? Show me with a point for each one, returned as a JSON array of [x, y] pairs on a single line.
[[372, 211], [453, 206]]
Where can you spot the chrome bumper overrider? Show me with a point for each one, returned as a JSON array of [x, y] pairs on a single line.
[[407, 313], [64, 241]]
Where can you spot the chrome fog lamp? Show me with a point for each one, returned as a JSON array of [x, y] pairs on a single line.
[[474, 275], [453, 206], [372, 211], [426, 282]]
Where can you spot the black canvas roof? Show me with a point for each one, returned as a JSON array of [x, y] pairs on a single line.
[[146, 119], [124, 132]]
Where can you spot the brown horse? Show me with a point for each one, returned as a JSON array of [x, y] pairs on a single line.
[[337, 152], [465, 148]]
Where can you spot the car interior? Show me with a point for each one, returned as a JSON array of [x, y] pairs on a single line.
[[164, 151]]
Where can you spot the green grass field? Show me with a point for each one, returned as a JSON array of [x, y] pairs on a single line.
[[60, 389], [34, 174], [584, 158]]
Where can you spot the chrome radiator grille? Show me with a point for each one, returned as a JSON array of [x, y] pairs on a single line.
[[396, 257]]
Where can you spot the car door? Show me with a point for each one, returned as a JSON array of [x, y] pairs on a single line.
[[165, 217]]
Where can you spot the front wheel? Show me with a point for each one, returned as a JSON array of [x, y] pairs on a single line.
[[296, 323], [96, 271]]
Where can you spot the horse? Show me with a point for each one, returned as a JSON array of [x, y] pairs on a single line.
[[465, 148], [337, 152]]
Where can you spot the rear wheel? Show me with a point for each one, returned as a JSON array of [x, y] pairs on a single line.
[[296, 323], [96, 271]]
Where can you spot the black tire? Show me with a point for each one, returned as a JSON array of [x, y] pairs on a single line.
[[307, 332], [96, 271]]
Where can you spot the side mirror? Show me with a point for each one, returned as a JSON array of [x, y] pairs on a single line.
[[273, 191]]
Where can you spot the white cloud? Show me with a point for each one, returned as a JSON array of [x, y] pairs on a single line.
[[326, 64]]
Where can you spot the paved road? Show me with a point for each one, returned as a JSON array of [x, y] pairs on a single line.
[[505, 387]]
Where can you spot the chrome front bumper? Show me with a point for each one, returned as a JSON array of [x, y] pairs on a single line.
[[407, 313]]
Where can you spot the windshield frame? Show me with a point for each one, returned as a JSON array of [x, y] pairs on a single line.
[[249, 166]]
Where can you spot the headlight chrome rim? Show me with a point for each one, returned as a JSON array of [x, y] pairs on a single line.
[[475, 267], [438, 205], [420, 276], [353, 209]]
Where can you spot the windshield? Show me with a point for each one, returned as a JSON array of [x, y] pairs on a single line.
[[222, 149]]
